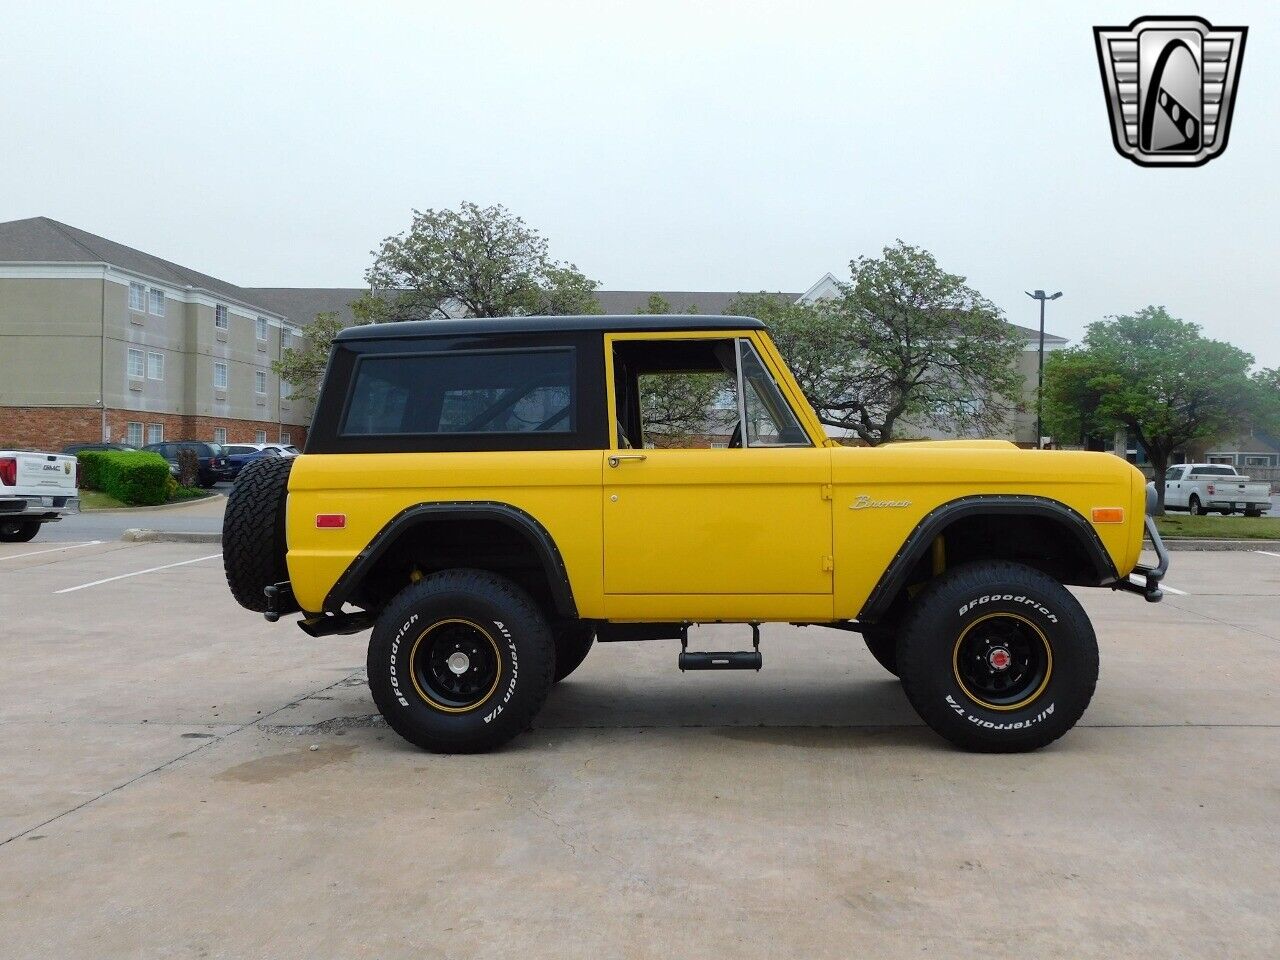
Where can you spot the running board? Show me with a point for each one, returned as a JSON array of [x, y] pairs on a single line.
[[721, 659]]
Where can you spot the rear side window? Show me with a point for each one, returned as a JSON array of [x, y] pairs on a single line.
[[460, 393]]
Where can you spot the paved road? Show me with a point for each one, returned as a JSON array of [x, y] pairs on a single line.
[[182, 779], [202, 517]]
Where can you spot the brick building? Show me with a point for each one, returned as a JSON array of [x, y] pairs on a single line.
[[102, 341]]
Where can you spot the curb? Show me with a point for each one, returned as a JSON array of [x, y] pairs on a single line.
[[139, 535], [1223, 545], [160, 506]]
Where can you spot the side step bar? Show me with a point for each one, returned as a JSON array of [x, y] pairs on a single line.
[[721, 659]]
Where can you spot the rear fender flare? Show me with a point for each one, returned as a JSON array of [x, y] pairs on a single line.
[[424, 513]]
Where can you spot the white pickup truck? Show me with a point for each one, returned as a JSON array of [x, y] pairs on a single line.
[[35, 488], [1200, 488]]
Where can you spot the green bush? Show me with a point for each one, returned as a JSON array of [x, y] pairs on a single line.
[[89, 474], [136, 478]]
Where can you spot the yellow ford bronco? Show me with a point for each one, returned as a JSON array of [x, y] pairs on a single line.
[[487, 496]]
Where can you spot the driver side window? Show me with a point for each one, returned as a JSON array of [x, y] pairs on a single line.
[[685, 394]]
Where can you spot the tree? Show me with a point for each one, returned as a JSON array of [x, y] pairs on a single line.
[[474, 261], [1266, 402], [1153, 375], [905, 342], [303, 366]]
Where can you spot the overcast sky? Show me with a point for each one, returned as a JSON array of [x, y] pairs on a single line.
[[658, 146]]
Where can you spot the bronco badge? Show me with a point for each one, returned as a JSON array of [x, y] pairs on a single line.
[[864, 502], [1170, 84]]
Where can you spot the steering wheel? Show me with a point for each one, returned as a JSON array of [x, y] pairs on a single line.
[[735, 440]]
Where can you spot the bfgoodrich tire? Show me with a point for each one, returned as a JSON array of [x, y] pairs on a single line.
[[253, 535], [998, 657], [573, 640], [460, 662]]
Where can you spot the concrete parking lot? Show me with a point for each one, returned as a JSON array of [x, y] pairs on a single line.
[[182, 779]]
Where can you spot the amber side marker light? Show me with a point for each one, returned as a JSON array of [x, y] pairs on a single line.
[[1108, 514], [331, 521]]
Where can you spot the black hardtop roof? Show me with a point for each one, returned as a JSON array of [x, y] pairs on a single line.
[[402, 329]]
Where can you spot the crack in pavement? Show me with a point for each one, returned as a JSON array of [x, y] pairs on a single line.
[[170, 762]]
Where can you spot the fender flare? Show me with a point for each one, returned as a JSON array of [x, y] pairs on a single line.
[[926, 531], [424, 513]]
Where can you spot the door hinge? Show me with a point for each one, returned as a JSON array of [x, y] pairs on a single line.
[[828, 563], [826, 491]]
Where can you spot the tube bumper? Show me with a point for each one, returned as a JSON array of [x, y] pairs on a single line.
[[1149, 589]]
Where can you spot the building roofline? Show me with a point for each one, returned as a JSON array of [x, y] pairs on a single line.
[[151, 279]]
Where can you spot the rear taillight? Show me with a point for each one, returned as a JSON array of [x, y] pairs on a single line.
[[75, 474], [9, 471]]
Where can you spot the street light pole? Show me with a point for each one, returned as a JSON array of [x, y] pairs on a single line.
[[1042, 297]]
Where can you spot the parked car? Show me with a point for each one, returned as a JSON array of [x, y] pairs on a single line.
[[212, 461], [241, 454], [35, 488], [75, 448], [283, 449], [483, 494], [1201, 488]]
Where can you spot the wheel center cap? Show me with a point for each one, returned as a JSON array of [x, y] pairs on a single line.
[[459, 662], [999, 658]]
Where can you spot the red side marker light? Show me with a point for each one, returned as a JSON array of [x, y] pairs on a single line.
[[331, 521]]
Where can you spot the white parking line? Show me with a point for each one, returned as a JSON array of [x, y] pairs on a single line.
[[1163, 586], [1267, 553], [36, 553], [136, 573]]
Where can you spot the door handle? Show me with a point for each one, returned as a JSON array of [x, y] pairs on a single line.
[[617, 458]]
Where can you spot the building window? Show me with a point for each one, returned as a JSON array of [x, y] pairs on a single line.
[[155, 433], [220, 435], [157, 302], [286, 390], [262, 328], [284, 438], [220, 317], [155, 369], [260, 381], [260, 437], [133, 435], [219, 375], [137, 297], [135, 364]]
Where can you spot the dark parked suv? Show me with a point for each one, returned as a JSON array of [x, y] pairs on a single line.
[[212, 459]]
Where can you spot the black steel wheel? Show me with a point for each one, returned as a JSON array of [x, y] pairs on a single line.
[[455, 664], [1002, 660]]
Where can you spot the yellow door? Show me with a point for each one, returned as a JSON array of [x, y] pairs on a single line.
[[750, 521]]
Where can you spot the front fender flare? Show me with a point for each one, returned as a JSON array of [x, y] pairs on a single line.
[[926, 531]]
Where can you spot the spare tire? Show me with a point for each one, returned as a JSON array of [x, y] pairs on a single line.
[[253, 537]]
